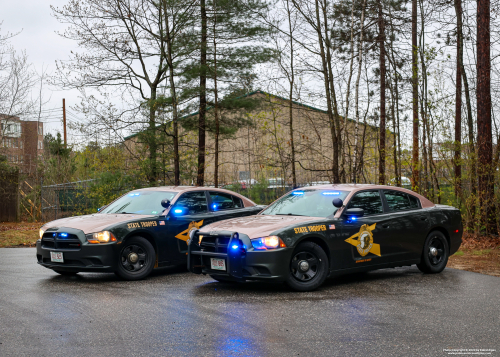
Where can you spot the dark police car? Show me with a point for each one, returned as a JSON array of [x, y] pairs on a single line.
[[328, 230], [139, 231]]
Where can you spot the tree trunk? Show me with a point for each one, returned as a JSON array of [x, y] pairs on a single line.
[[216, 105], [292, 82], [415, 174], [458, 104], [153, 171], [337, 144], [335, 166], [173, 94], [348, 94], [356, 95], [484, 135], [470, 123], [200, 179], [381, 27]]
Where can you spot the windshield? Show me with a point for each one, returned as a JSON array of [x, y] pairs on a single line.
[[313, 203], [140, 202]]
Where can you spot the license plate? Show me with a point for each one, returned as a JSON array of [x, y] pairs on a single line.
[[56, 257], [218, 264]]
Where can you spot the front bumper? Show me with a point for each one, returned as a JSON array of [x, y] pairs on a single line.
[[241, 264], [79, 255]]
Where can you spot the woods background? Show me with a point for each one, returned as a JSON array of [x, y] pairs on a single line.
[[367, 91]]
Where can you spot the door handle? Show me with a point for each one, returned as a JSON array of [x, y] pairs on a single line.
[[423, 218]]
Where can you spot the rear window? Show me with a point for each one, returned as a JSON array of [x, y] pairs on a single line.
[[400, 201]]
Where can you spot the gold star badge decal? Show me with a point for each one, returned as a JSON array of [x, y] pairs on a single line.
[[363, 241], [184, 235]]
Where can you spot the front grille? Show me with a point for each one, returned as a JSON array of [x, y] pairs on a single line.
[[58, 241], [214, 244]]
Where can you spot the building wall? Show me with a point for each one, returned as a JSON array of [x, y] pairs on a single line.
[[21, 142], [262, 149]]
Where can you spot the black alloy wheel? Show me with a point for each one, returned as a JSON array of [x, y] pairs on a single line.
[[304, 266], [308, 267], [136, 259], [435, 253]]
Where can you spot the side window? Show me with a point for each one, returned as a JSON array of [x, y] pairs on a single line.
[[414, 202], [400, 201], [222, 201], [397, 201], [369, 201], [238, 202], [195, 202]]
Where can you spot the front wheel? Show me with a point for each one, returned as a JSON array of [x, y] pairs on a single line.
[[435, 254], [308, 268], [136, 259]]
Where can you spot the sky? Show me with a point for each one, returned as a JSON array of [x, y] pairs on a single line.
[[38, 37]]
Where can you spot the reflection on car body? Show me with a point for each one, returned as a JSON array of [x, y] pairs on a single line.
[[328, 230]]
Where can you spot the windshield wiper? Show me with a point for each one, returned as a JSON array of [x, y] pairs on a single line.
[[288, 214]]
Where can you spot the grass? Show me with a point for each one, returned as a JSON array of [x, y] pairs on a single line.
[[481, 252], [22, 234], [485, 261]]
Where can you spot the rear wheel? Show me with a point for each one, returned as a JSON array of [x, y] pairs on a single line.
[[308, 267], [435, 254], [136, 259], [66, 273]]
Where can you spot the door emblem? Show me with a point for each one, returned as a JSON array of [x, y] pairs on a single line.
[[363, 241], [184, 235]]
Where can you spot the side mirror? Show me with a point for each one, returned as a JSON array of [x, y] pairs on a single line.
[[337, 202], [354, 212], [165, 203]]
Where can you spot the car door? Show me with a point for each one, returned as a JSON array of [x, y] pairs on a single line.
[[188, 212], [409, 224], [366, 238]]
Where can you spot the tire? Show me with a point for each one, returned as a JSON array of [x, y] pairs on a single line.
[[136, 259], [435, 254], [312, 257], [222, 280], [66, 273]]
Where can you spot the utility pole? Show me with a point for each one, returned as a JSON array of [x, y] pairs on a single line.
[[64, 122]]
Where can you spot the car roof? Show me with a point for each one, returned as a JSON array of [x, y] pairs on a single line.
[[355, 187], [181, 189]]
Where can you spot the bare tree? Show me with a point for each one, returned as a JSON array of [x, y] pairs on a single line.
[[119, 53]]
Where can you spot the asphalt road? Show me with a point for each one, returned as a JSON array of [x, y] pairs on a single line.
[[391, 312]]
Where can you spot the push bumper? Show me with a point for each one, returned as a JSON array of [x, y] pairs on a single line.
[[78, 254], [242, 264]]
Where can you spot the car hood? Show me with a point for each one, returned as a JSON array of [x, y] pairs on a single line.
[[257, 226], [94, 222]]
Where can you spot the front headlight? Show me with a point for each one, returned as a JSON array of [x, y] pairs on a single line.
[[102, 237], [41, 231], [269, 242]]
